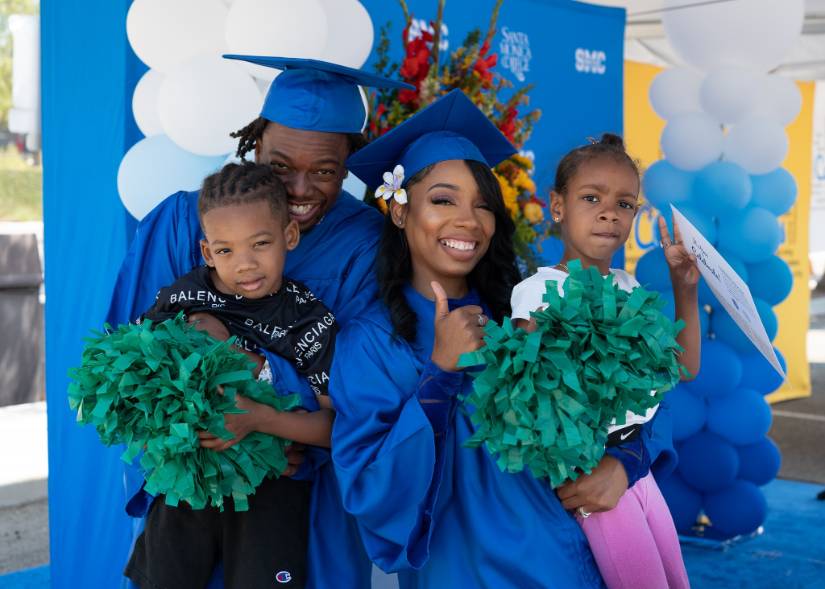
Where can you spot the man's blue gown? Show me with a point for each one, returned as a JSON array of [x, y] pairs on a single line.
[[336, 260]]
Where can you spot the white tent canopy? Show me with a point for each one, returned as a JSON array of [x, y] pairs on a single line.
[[645, 38]]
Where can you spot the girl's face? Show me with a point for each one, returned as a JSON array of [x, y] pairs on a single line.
[[597, 210], [448, 226]]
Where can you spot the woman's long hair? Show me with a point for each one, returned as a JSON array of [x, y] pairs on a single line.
[[493, 278]]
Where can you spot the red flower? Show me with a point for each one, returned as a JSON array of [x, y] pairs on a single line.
[[379, 112], [484, 63], [508, 124]]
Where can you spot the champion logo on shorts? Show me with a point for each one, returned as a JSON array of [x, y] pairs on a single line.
[[283, 577]]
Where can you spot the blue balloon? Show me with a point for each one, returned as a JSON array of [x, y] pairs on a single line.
[[683, 501], [739, 509], [759, 375], [726, 330], [720, 370], [663, 184], [770, 280], [689, 412], [741, 416], [669, 310], [775, 191], [652, 270], [759, 463], [722, 189], [752, 234], [704, 223], [154, 168], [707, 462]]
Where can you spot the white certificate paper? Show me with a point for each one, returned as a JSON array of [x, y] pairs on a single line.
[[728, 287]]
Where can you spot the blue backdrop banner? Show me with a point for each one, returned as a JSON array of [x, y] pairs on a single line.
[[570, 52]]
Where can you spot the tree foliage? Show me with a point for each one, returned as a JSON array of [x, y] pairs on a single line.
[[8, 8]]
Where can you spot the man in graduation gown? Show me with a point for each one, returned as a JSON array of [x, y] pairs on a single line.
[[310, 123]]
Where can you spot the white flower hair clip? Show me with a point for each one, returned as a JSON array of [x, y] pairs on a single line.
[[391, 188]]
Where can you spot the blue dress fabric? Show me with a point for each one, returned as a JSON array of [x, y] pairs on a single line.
[[336, 261], [440, 514]]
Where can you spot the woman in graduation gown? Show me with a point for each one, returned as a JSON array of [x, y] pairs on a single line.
[[441, 514]]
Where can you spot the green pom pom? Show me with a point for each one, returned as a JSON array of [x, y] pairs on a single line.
[[153, 387], [544, 400]]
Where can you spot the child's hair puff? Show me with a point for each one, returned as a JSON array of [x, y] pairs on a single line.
[[609, 145]]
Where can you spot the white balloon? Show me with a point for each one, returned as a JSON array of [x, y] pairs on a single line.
[[276, 27], [145, 103], [692, 140], [349, 40], [777, 97], [154, 168], [758, 144], [676, 91], [165, 34], [204, 100], [728, 93], [749, 33]]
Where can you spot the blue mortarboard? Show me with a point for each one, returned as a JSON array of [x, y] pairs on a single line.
[[451, 128], [315, 95]]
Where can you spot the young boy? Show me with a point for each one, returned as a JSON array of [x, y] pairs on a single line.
[[241, 291]]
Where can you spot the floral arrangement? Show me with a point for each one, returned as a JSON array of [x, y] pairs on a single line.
[[471, 68]]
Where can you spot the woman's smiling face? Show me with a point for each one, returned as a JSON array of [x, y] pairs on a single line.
[[448, 226]]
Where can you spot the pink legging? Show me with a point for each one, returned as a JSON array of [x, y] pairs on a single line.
[[635, 544]]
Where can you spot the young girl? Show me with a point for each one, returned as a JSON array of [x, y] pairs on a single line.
[[595, 199]]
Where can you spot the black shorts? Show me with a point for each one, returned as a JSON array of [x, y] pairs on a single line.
[[263, 547]]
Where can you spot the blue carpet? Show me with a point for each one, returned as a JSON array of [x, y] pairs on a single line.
[[36, 578], [789, 555]]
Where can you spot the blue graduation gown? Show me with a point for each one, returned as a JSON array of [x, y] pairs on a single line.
[[441, 514], [336, 260]]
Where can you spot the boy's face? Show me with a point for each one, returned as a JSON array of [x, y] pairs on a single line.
[[246, 245]]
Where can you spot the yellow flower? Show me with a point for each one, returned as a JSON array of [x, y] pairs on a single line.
[[524, 183], [533, 213], [510, 194], [524, 162]]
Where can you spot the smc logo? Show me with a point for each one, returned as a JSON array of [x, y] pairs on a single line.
[[590, 62]]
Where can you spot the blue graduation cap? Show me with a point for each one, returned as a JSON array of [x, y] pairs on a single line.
[[451, 128], [316, 95]]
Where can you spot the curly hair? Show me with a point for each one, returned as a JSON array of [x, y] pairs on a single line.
[[493, 278], [610, 145], [237, 184], [249, 136]]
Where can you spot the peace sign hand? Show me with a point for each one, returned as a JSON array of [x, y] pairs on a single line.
[[684, 273], [456, 332]]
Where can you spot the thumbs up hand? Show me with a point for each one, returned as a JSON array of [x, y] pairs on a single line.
[[456, 332]]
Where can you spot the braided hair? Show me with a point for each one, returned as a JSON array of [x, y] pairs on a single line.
[[250, 135], [244, 183], [493, 278], [610, 146]]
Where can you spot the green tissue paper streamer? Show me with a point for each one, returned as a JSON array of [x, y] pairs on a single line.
[[152, 387], [544, 400]]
